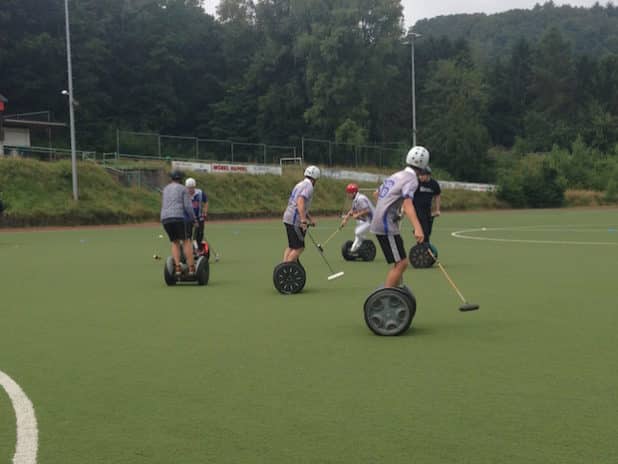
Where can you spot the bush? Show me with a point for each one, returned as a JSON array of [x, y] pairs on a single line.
[[533, 182]]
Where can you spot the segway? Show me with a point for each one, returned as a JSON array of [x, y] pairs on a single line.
[[202, 270], [419, 255], [290, 277], [389, 311], [366, 252]]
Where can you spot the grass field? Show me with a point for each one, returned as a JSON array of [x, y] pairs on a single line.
[[122, 369]]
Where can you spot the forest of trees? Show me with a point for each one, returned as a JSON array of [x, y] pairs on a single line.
[[490, 89]]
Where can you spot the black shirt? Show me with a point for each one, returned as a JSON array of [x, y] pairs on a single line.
[[425, 193]]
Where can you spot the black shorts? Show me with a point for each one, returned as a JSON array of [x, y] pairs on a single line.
[[392, 247], [296, 236], [178, 230]]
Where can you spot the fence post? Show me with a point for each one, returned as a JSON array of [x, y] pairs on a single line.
[[264, 153], [159, 145], [232, 146], [197, 148], [330, 153], [302, 147], [117, 140]]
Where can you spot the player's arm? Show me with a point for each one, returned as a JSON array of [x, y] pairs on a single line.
[[410, 212], [437, 205], [300, 206], [361, 213]]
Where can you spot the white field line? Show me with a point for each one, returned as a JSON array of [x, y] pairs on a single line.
[[460, 234], [27, 431]]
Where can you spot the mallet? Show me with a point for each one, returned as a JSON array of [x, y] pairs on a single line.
[[465, 306], [322, 245], [333, 275]]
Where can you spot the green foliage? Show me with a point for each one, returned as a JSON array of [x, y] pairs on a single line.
[[272, 71], [532, 182]]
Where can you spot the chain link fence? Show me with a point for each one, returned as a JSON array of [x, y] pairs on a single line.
[[329, 153], [146, 145]]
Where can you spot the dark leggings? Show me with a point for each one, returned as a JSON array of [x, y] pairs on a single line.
[[424, 217]]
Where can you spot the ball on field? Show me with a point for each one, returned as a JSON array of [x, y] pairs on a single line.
[[160, 236], [484, 228]]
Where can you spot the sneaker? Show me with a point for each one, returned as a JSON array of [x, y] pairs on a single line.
[[192, 269], [178, 270]]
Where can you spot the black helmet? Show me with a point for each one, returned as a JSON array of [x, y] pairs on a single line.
[[176, 175]]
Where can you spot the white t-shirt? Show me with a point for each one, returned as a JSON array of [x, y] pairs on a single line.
[[303, 189]]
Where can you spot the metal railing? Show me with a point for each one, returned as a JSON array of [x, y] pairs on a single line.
[[149, 145], [46, 153]]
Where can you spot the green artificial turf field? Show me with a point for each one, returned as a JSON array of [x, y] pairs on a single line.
[[122, 369]]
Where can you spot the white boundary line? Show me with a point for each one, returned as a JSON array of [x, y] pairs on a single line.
[[459, 234], [27, 431]]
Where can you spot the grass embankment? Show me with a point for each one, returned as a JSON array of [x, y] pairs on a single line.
[[40, 193]]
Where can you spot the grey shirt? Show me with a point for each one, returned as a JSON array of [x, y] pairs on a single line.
[[360, 203], [303, 189], [176, 204], [393, 191]]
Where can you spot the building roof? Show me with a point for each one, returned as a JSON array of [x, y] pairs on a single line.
[[32, 124]]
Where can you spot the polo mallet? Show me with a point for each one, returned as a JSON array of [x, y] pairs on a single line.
[[465, 306], [333, 275], [322, 245]]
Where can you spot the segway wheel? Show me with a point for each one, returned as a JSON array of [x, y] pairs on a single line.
[[168, 271], [389, 311], [419, 256], [367, 250], [289, 278], [202, 271], [345, 251]]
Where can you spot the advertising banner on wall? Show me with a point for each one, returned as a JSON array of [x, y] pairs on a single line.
[[226, 168]]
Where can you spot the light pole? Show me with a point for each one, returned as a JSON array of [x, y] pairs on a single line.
[[71, 101], [412, 36]]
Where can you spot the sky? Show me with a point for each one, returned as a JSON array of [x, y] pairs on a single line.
[[420, 9]]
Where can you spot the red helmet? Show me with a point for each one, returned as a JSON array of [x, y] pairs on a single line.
[[351, 188]]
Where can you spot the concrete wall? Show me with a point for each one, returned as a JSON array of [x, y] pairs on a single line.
[[17, 136]]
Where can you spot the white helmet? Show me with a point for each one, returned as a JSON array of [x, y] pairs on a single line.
[[190, 182], [313, 172], [418, 157]]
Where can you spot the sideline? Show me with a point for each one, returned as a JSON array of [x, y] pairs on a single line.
[[460, 234], [27, 431]]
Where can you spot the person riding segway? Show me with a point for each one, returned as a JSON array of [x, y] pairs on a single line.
[[390, 309], [177, 217], [427, 206], [289, 276], [362, 210]]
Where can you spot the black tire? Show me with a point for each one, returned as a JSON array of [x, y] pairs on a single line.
[[419, 256], [202, 271], [389, 311], [367, 250], [289, 278], [168, 272], [345, 251]]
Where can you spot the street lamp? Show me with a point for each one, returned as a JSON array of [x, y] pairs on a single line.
[[69, 93], [411, 36]]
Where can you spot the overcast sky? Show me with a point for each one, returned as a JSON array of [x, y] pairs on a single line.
[[420, 9]]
